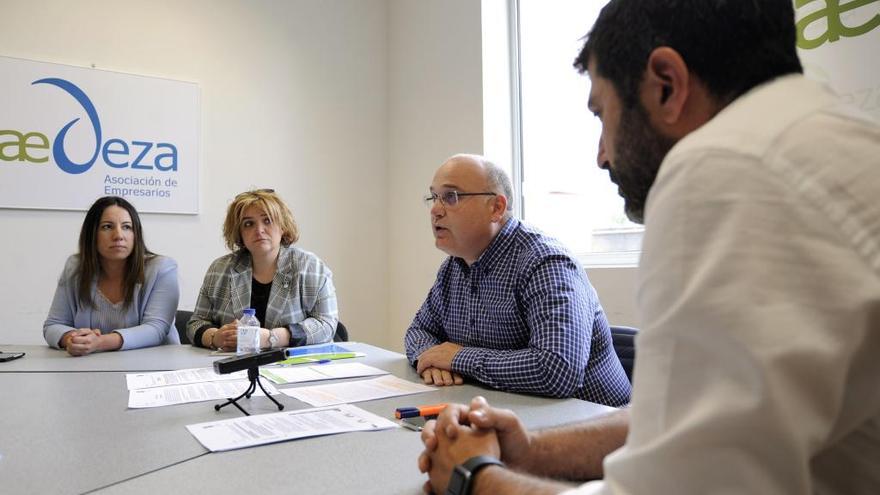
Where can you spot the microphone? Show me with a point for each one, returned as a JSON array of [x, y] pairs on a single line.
[[248, 361]]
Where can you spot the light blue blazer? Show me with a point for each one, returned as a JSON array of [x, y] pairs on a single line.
[[150, 317]]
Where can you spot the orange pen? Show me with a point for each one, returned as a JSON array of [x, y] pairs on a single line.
[[412, 412]]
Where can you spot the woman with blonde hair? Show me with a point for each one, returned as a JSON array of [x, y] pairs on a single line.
[[291, 289]]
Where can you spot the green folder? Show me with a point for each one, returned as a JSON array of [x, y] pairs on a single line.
[[317, 358]]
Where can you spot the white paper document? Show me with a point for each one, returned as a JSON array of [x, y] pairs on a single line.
[[136, 381], [299, 374], [248, 431], [341, 393], [192, 392]]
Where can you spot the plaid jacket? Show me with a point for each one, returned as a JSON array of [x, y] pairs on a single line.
[[302, 299]]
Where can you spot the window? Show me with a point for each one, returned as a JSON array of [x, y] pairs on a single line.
[[563, 191]]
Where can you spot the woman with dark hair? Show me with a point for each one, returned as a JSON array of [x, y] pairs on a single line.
[[114, 294], [290, 289]]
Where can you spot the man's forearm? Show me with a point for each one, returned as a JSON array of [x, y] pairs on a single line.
[[530, 371], [576, 451], [496, 479], [416, 341]]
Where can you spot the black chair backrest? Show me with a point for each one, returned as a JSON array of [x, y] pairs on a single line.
[[341, 334], [624, 339], [180, 320]]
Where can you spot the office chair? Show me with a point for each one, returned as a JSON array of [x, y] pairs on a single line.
[[341, 334], [180, 320], [624, 340]]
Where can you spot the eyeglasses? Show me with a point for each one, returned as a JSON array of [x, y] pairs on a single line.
[[451, 198]]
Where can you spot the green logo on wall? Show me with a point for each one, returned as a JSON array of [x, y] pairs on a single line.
[[834, 27]]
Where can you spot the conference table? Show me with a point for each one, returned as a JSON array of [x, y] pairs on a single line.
[[65, 427]]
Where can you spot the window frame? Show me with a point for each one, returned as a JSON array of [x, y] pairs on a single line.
[[608, 259]]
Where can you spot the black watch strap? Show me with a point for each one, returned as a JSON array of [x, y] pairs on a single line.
[[462, 478]]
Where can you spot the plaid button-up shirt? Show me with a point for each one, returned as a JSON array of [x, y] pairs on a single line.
[[528, 319]]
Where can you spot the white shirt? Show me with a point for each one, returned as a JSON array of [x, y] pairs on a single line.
[[758, 363]]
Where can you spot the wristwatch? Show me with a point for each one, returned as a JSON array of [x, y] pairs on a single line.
[[462, 478], [273, 339]]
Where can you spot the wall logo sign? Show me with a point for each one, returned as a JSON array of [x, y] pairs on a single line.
[[70, 135], [834, 20], [837, 40]]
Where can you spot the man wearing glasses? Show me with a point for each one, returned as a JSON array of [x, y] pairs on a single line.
[[510, 307], [759, 280]]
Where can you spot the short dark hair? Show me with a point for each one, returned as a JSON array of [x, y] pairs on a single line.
[[731, 45], [89, 260]]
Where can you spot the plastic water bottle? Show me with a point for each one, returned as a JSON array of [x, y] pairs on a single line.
[[248, 333]]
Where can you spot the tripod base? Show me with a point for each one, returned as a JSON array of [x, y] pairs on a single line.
[[254, 377]]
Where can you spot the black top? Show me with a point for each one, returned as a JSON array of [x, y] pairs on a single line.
[[260, 299]]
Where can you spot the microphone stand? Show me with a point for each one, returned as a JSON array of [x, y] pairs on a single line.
[[254, 377]]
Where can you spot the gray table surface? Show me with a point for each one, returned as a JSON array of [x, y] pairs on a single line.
[[39, 358], [63, 432]]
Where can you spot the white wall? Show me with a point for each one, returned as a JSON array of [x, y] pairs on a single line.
[[293, 97], [435, 110], [617, 292], [346, 107], [435, 97]]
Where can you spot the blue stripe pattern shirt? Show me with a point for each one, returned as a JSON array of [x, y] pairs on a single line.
[[527, 318]]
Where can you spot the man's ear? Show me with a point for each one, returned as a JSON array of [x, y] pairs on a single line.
[[499, 207], [666, 86]]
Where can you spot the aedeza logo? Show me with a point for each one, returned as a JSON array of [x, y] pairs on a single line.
[[830, 17], [115, 153]]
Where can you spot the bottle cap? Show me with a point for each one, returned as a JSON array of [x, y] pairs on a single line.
[[250, 311]]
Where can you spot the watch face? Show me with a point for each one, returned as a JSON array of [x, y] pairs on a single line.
[[458, 481]]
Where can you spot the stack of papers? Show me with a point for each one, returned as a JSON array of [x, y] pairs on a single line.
[[166, 388], [333, 415], [301, 374], [341, 393], [136, 381], [192, 392], [248, 431]]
